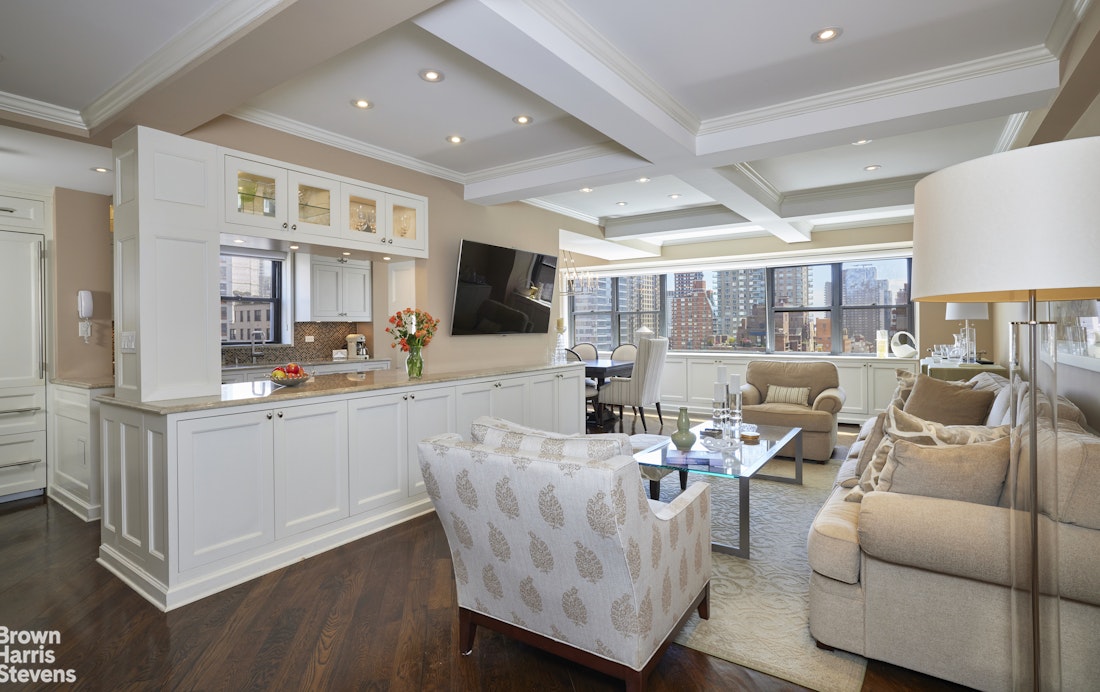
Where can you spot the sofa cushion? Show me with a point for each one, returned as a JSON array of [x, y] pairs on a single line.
[[874, 439], [833, 542], [899, 424], [950, 404], [1000, 411], [970, 473], [906, 378], [789, 415], [846, 476], [778, 394], [499, 433]]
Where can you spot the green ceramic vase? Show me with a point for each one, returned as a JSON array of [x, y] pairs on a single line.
[[683, 438]]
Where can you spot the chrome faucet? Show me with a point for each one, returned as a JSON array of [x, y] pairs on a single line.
[[252, 338]]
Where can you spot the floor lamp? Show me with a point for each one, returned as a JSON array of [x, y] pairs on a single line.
[[1022, 225], [967, 312]]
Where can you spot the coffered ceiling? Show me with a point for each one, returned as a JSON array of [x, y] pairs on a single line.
[[733, 118]]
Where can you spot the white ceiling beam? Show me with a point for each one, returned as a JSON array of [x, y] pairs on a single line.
[[734, 189]]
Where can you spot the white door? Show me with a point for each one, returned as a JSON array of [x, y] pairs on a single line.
[[21, 338], [311, 466], [569, 418], [542, 404]]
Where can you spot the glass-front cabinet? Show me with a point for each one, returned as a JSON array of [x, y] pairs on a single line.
[[408, 221], [266, 196], [366, 214]]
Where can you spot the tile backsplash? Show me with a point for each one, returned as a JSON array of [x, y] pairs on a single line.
[[328, 336]]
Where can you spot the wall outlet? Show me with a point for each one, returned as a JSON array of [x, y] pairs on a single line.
[[310, 339]]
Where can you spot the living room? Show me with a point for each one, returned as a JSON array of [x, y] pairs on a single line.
[[82, 257]]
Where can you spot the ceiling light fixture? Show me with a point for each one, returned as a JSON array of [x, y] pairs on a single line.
[[386, 258], [101, 169], [674, 195], [643, 179], [238, 241], [293, 247], [873, 167], [455, 139], [827, 34], [860, 142], [586, 189], [431, 75], [523, 120], [362, 104], [621, 204]]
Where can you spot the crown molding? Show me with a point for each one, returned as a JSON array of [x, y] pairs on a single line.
[[839, 192], [1013, 125], [1014, 60], [40, 110], [761, 183], [529, 165], [1069, 17], [199, 39], [564, 211], [316, 134]]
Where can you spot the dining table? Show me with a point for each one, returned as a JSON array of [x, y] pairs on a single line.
[[601, 370]]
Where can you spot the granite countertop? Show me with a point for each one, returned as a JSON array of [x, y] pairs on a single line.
[[85, 382], [303, 363], [267, 392]]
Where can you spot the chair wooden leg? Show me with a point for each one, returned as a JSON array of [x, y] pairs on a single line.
[[683, 480], [641, 412], [659, 416], [466, 629], [704, 605]]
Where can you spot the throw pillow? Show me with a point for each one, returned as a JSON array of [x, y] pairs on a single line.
[[788, 395], [950, 404], [874, 439], [902, 425], [969, 473], [906, 379]]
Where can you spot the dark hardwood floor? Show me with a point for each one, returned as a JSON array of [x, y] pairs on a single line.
[[376, 614]]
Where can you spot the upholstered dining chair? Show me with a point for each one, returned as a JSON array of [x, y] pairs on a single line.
[[590, 390], [625, 352], [643, 387], [586, 350], [554, 543]]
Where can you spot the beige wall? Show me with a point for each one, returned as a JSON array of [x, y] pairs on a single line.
[[450, 219], [82, 261]]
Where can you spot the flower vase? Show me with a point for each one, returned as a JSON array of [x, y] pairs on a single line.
[[414, 362], [683, 438]]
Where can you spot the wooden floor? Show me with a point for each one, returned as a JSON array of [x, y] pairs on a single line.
[[376, 614]]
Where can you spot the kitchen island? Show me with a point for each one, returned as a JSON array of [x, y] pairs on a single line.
[[204, 493]]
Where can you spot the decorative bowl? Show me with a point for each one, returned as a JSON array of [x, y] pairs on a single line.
[[290, 381], [719, 444]]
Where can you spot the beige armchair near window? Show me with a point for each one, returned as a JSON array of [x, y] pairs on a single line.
[[814, 411], [643, 387], [555, 544]]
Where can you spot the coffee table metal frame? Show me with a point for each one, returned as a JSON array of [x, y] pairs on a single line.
[[749, 459]]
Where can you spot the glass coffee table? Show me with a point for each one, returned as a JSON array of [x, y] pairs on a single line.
[[742, 463]]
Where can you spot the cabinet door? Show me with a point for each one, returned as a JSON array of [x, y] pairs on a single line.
[[365, 214], [379, 452], [702, 373], [312, 209], [255, 194], [431, 412], [408, 219], [853, 379], [570, 404], [542, 402], [883, 382], [472, 401], [226, 486], [674, 382], [311, 466], [355, 294], [325, 283], [21, 311], [504, 398]]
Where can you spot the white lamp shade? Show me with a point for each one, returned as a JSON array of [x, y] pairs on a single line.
[[967, 311], [994, 228]]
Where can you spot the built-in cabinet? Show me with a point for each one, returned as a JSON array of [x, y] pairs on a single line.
[[869, 383], [74, 467], [279, 198], [331, 290], [261, 373], [242, 490]]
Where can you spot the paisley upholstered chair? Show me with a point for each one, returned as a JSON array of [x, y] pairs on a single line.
[[554, 543]]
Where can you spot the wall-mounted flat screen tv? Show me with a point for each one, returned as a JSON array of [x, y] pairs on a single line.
[[502, 290]]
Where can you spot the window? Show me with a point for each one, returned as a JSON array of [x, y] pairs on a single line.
[[620, 305], [251, 290], [832, 308]]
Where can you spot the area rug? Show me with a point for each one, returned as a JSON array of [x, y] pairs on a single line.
[[759, 607]]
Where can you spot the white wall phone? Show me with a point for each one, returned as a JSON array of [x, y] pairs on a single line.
[[84, 312]]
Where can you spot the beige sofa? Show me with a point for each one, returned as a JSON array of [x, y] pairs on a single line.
[[918, 572]]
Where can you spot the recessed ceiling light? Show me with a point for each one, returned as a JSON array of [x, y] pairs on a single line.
[[293, 247], [827, 34], [643, 179], [860, 142], [362, 103], [523, 120], [101, 169], [586, 189], [386, 257], [431, 75], [347, 254], [674, 195], [238, 241], [621, 204], [455, 139], [873, 167]]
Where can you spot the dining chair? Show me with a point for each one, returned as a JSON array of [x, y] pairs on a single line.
[[625, 352], [586, 350], [643, 387], [590, 390]]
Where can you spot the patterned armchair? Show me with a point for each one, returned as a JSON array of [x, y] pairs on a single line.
[[554, 543]]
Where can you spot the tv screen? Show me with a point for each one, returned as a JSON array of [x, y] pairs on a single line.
[[502, 290]]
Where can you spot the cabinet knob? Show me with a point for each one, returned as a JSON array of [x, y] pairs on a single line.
[[280, 414], [412, 396], [294, 227], [284, 225], [406, 397], [269, 415], [498, 385], [390, 241]]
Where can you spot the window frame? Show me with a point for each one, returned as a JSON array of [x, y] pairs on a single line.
[[616, 315], [280, 278]]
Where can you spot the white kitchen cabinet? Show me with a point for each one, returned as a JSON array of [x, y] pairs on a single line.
[[264, 195], [556, 402], [74, 456], [502, 397], [311, 466], [330, 290], [387, 221], [351, 366], [408, 224], [431, 412], [22, 212]]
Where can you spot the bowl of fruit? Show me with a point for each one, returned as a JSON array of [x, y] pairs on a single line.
[[289, 375]]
